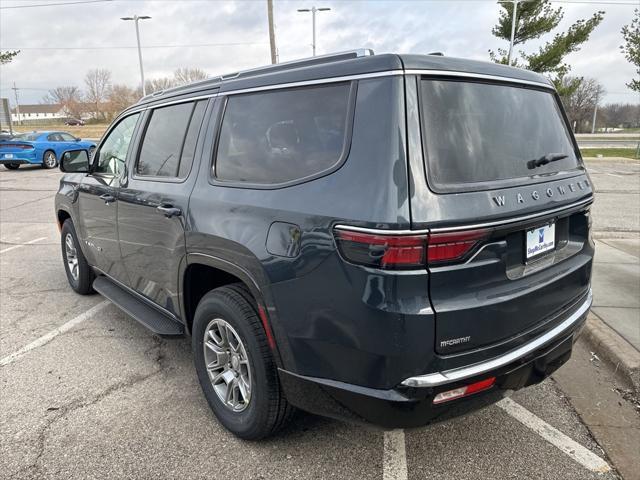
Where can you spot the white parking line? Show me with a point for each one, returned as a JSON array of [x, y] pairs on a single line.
[[580, 454], [8, 249], [394, 465], [43, 340], [614, 175]]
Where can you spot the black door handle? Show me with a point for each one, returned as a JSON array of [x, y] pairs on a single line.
[[169, 211], [108, 198]]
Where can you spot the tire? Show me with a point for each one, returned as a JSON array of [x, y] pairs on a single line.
[[12, 166], [266, 410], [79, 274], [49, 160]]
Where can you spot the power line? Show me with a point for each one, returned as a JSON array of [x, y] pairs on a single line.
[[53, 4], [118, 47]]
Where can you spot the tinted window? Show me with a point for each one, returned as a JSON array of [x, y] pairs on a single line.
[[278, 136], [28, 137], [477, 132], [113, 151], [66, 137], [170, 140], [189, 149]]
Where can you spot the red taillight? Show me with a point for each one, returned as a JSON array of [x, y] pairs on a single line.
[[452, 246], [464, 391], [390, 252], [395, 252]]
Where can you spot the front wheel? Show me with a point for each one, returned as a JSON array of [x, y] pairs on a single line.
[[235, 366], [79, 274], [49, 159], [12, 166]]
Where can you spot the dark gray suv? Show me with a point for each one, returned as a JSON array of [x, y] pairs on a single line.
[[389, 239]]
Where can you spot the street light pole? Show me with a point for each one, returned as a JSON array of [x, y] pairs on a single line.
[[136, 19], [513, 29], [313, 11]]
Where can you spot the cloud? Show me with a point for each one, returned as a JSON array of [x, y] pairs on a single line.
[[457, 28]]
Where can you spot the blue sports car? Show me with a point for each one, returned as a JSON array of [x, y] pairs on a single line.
[[39, 148]]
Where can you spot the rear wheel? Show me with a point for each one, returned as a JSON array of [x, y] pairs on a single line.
[[235, 366], [12, 166], [79, 274], [49, 159]]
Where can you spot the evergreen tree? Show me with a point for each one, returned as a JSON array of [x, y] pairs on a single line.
[[6, 57], [631, 48], [535, 18]]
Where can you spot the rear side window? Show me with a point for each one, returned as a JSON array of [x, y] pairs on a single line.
[[169, 141], [281, 136], [478, 132]]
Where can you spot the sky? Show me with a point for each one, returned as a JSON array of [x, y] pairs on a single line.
[[60, 43]]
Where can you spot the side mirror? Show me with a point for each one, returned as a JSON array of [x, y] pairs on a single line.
[[78, 139], [75, 161]]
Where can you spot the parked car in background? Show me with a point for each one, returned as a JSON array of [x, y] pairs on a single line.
[[74, 122], [39, 148], [394, 239], [5, 135]]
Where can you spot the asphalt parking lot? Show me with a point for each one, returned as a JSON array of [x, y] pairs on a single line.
[[86, 392]]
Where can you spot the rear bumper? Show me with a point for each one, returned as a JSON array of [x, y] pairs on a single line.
[[20, 158], [410, 404]]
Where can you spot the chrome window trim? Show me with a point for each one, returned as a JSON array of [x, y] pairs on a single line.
[[457, 374], [481, 76], [506, 221], [319, 81]]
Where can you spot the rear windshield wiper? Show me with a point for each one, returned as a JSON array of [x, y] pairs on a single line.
[[548, 158]]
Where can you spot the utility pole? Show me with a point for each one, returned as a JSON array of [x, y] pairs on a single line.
[[513, 30], [595, 113], [272, 33], [15, 91], [313, 11], [136, 19]]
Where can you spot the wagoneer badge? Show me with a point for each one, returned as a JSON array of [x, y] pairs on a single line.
[[501, 200]]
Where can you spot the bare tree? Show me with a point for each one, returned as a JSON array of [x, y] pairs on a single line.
[[69, 97], [98, 82], [183, 76], [120, 97], [158, 84], [620, 115], [583, 94]]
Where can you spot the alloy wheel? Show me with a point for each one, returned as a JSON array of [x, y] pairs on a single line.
[[227, 364], [72, 256], [50, 160]]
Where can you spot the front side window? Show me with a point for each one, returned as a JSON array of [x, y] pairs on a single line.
[[279, 136], [169, 141], [113, 151], [484, 132], [67, 137]]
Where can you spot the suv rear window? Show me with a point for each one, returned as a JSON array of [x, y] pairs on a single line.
[[280, 136], [479, 133]]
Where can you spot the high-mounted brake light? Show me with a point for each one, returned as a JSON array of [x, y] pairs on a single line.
[[465, 391], [395, 252]]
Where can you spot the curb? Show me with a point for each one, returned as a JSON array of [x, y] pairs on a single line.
[[612, 347]]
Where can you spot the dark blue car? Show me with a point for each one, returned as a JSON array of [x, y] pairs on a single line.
[[39, 148]]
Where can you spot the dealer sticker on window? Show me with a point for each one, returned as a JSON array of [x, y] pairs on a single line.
[[540, 240]]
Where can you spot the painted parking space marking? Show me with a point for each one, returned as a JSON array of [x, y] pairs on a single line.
[[573, 449], [394, 466], [30, 242], [43, 340]]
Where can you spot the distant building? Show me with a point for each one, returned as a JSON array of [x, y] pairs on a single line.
[[44, 112]]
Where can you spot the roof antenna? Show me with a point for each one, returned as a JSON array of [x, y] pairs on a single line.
[[437, 54]]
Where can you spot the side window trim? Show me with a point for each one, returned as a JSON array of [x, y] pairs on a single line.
[[143, 129], [346, 147], [134, 140]]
